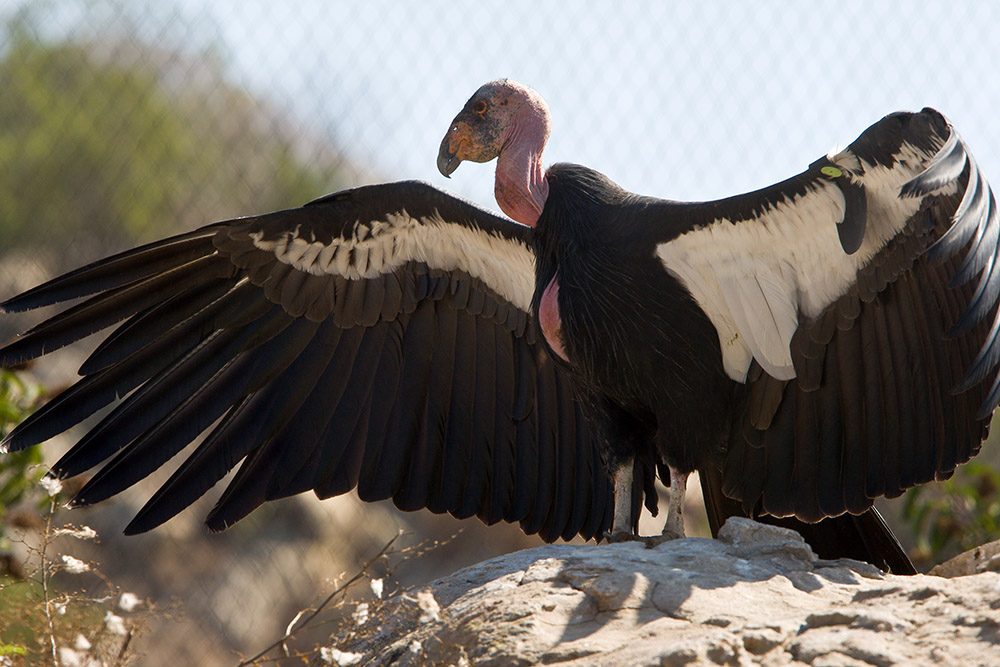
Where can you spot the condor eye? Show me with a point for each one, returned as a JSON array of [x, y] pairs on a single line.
[[480, 107]]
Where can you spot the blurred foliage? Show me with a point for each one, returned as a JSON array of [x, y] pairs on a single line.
[[57, 91], [44, 617], [29, 636], [117, 142], [955, 515], [105, 142], [19, 471]]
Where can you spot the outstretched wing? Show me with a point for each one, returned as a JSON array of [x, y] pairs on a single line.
[[377, 338], [858, 301]]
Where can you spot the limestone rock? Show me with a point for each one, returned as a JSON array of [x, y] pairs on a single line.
[[757, 595]]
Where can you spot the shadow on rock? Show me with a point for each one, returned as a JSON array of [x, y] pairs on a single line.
[[756, 594]]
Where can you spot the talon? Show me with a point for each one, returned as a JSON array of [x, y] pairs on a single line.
[[666, 536], [649, 541], [619, 536], [657, 540]]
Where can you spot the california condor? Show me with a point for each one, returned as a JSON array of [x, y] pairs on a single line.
[[808, 347]]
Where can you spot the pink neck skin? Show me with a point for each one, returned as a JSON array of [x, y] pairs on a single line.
[[521, 188], [548, 317]]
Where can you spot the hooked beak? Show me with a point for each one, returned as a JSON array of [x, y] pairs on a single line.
[[447, 160], [455, 146]]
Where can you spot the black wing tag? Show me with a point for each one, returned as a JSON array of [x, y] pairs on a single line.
[[852, 228]]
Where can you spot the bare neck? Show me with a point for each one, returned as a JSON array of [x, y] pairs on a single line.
[[521, 188]]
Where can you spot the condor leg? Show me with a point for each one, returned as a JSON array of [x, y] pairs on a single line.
[[673, 528]]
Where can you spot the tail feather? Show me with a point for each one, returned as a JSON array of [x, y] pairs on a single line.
[[863, 537]]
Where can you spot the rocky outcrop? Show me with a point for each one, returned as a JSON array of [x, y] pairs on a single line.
[[757, 595]]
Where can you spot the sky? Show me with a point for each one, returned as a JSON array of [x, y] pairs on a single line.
[[685, 100]]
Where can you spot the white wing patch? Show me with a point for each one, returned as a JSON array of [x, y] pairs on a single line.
[[762, 310], [507, 266], [754, 278]]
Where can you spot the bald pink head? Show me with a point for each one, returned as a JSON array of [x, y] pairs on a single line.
[[508, 121]]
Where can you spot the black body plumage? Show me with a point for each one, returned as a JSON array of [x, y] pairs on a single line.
[[642, 351]]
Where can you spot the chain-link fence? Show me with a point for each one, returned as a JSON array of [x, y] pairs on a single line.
[[126, 121]]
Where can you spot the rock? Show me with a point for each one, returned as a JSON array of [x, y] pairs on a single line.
[[757, 595], [981, 559]]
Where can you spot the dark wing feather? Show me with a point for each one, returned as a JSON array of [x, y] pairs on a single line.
[[378, 338]]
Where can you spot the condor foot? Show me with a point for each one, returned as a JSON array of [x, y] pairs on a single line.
[[649, 540]]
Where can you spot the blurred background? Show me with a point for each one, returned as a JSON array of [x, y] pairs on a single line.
[[123, 121]]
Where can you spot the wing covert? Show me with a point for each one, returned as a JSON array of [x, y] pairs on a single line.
[[759, 263]]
